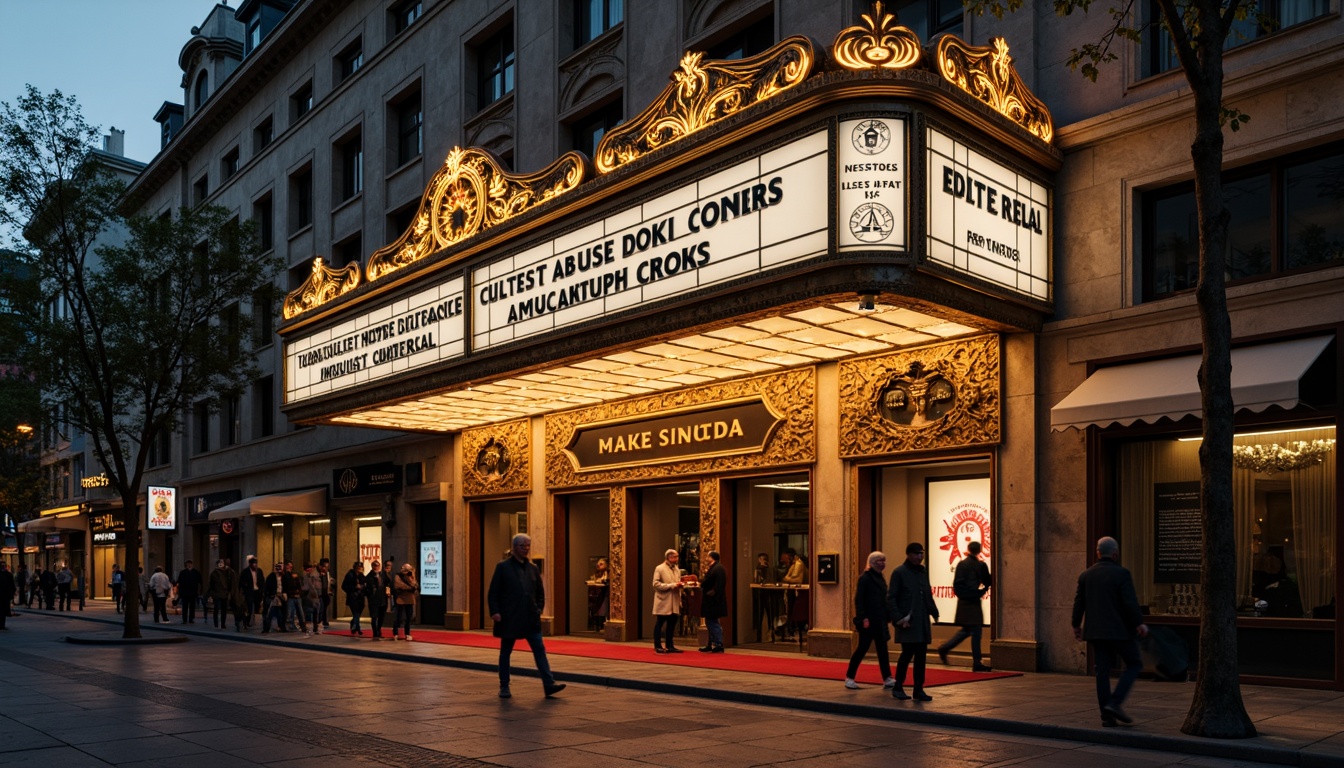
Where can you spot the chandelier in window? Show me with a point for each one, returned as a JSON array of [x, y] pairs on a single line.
[[1272, 457]]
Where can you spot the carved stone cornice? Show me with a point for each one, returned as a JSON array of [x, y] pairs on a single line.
[[703, 93], [988, 74], [922, 399], [793, 441], [880, 43], [323, 285], [497, 459], [471, 193]]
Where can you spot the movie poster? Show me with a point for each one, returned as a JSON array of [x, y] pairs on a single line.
[[958, 513], [162, 512]]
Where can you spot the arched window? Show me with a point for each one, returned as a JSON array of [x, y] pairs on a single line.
[[202, 89]]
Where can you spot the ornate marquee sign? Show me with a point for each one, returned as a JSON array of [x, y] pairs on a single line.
[[722, 429], [880, 43], [323, 285], [988, 74]]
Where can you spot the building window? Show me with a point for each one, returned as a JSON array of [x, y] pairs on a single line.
[[201, 91], [410, 129], [229, 165], [593, 17], [263, 317], [588, 131], [263, 212], [1266, 18], [1308, 233], [263, 407], [404, 14], [348, 251], [748, 41], [200, 421], [400, 220], [350, 60], [494, 68], [350, 156], [302, 100], [200, 189], [160, 450], [300, 200], [254, 33], [263, 135], [233, 421]]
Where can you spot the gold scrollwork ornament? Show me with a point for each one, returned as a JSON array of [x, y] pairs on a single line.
[[988, 74], [881, 44], [323, 285]]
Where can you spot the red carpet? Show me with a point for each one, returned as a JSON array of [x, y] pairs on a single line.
[[733, 661]]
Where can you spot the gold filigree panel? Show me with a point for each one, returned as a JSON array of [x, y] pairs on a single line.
[[471, 193], [709, 520], [878, 43], [497, 459], [929, 398], [701, 94], [988, 74], [616, 553], [323, 285], [792, 393]]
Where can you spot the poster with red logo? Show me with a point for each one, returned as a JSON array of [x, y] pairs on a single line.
[[958, 512], [162, 512]]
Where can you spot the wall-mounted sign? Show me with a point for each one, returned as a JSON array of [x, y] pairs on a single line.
[[162, 512], [1178, 534], [871, 184], [987, 220], [958, 513], [200, 507], [111, 520], [431, 568], [53, 541], [109, 538], [370, 545], [721, 429], [366, 479], [741, 221], [409, 333], [97, 481]]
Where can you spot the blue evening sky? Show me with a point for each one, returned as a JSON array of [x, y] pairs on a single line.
[[117, 57]]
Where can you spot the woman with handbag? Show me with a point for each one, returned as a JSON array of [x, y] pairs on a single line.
[[871, 620], [404, 587]]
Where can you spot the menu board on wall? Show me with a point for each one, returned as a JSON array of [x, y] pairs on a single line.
[[1177, 533], [958, 513], [431, 568]]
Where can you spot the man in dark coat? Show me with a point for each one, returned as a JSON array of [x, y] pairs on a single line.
[[714, 602], [516, 599], [21, 581], [8, 588], [274, 601], [48, 581], [1114, 624], [377, 587], [970, 582], [188, 591], [910, 604], [870, 620], [252, 586], [353, 587]]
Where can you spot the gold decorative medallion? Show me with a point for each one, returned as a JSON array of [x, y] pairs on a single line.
[[323, 285], [703, 93], [881, 44], [929, 398], [470, 194], [988, 74], [495, 458]]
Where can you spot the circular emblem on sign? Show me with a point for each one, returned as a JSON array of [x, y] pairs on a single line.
[[349, 481], [492, 461], [871, 137], [918, 398], [964, 524], [872, 222], [226, 527]]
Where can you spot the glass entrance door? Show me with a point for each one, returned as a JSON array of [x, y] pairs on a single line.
[[588, 538], [772, 579]]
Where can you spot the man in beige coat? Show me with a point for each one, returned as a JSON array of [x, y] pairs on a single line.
[[666, 602]]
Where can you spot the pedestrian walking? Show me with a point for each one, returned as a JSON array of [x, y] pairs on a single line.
[[275, 601], [48, 589], [404, 587], [65, 581], [252, 588], [353, 586], [910, 605], [294, 616], [310, 589], [516, 598], [118, 584], [328, 590], [970, 582], [714, 602], [21, 580], [188, 591], [1106, 614], [870, 620], [223, 583], [666, 602], [159, 587], [376, 589], [8, 589]]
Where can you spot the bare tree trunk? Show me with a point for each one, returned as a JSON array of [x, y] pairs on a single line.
[[131, 618]]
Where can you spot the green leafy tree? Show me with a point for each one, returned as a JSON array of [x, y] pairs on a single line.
[[1198, 30], [128, 319]]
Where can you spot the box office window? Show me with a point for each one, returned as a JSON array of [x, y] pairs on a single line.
[[1285, 511]]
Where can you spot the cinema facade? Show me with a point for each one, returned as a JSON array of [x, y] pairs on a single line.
[[796, 304]]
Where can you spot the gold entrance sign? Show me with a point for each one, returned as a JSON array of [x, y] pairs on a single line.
[[722, 429]]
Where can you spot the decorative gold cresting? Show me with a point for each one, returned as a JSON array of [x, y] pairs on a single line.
[[988, 74], [323, 285], [881, 44], [709, 520], [616, 552], [470, 194], [703, 93], [497, 458]]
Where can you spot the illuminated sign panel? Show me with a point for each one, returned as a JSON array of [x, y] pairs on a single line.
[[757, 215], [162, 512], [986, 220], [411, 332], [871, 185]]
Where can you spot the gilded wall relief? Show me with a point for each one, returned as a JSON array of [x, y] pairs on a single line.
[[471, 193], [616, 552], [497, 459], [323, 285], [709, 519], [791, 394], [878, 43], [701, 94], [988, 74], [929, 398]]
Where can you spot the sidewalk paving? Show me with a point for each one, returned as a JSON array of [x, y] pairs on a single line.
[[1296, 726]]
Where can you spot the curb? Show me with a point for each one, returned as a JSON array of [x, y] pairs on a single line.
[[1117, 737]]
